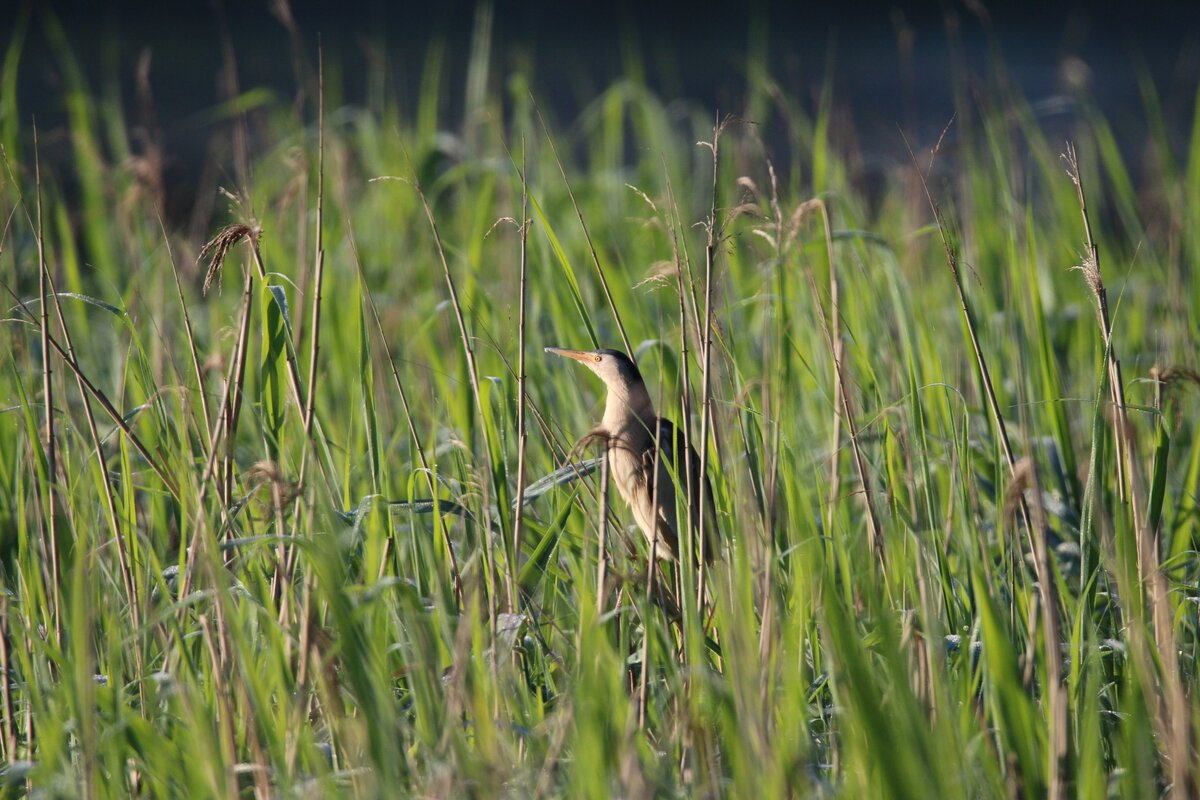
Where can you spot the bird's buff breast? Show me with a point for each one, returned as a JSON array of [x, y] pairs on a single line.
[[627, 472]]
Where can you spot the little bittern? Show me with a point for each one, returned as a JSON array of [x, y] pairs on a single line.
[[638, 440]]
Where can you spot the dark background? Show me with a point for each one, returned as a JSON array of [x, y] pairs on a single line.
[[892, 65]]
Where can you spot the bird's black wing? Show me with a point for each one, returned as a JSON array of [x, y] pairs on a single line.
[[680, 464]]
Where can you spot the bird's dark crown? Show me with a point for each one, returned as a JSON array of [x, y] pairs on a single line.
[[628, 369]]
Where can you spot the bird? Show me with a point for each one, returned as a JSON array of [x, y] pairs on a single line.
[[638, 440]]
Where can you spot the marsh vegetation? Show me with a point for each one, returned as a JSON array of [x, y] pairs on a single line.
[[257, 499]]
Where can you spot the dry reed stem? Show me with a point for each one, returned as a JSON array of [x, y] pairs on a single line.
[[1173, 712], [51, 498], [833, 333], [90, 388], [675, 268], [771, 467], [685, 401], [233, 405], [225, 726], [100, 397], [965, 309], [710, 256], [217, 251], [522, 432], [110, 503], [602, 540], [9, 741], [1116, 385], [685, 383], [218, 431], [319, 266], [1025, 477], [833, 338], [289, 554], [296, 384], [224, 432]]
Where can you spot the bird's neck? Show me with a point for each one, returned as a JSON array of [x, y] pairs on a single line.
[[628, 412]]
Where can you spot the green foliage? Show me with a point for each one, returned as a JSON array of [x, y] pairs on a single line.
[[345, 620]]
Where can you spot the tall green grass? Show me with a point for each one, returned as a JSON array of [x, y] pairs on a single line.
[[325, 602]]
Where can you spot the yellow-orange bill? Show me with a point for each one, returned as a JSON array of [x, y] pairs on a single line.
[[577, 355]]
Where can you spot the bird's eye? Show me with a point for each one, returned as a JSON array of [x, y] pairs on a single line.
[[597, 359]]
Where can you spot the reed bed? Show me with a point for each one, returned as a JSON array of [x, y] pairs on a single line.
[[289, 507]]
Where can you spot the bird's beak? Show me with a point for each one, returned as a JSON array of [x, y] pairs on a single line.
[[582, 356]]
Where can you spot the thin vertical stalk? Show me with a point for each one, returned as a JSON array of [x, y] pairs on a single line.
[[1116, 383], [226, 428], [834, 334], [110, 503], [699, 503], [226, 726], [651, 576], [100, 397], [187, 327], [472, 370], [233, 398], [685, 394], [1026, 477], [219, 430], [969, 318], [456, 304], [522, 433], [9, 741], [710, 257], [319, 268], [602, 539], [468, 350], [833, 337], [1173, 713], [426, 469], [307, 407], [302, 400], [774, 353], [51, 498]]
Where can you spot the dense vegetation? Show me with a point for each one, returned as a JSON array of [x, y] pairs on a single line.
[[244, 548]]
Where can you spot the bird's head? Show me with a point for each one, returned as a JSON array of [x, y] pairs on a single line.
[[613, 367]]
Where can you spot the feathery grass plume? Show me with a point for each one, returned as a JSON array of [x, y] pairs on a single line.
[[216, 249], [1159, 653]]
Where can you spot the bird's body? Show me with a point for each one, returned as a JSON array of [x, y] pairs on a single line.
[[648, 457]]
